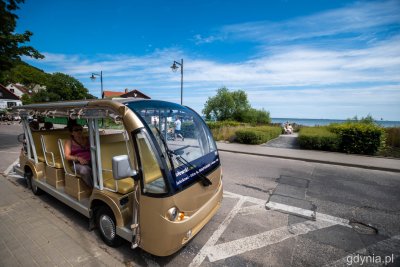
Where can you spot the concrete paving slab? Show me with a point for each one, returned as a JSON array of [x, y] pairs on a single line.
[[290, 201], [290, 191], [294, 181]]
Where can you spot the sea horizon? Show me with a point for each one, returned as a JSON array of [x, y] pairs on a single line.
[[323, 122]]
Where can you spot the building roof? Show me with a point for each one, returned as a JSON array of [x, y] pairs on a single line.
[[20, 87], [6, 94], [107, 94], [134, 93]]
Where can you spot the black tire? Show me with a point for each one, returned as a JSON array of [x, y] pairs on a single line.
[[29, 180], [106, 226]]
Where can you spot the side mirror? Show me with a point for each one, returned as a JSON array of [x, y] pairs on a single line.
[[121, 167]]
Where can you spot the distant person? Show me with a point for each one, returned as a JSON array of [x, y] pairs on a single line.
[[290, 129], [178, 126], [77, 149]]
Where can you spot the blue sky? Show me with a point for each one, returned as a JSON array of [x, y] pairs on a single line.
[[294, 58]]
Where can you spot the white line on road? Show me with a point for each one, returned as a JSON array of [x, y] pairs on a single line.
[[242, 245], [7, 171], [225, 250], [203, 253], [307, 213], [310, 214]]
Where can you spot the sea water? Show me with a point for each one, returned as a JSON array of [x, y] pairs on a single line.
[[322, 122]]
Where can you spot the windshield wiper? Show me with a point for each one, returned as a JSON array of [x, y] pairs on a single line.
[[204, 180]]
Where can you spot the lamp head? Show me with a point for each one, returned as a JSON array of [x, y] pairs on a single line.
[[174, 67], [92, 77]]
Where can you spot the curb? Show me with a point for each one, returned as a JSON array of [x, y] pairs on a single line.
[[369, 167]]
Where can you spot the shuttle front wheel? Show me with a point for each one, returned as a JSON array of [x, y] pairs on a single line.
[[106, 225]]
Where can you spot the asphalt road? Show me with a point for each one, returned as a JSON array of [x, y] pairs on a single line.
[[9, 145], [316, 215]]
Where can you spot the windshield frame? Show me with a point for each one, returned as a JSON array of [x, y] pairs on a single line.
[[167, 165]]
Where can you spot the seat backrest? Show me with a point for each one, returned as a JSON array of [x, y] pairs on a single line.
[[111, 145], [65, 163], [50, 147], [114, 145]]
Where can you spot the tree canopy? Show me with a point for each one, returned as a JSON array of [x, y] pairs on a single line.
[[11, 43], [25, 74], [12, 70], [227, 105]]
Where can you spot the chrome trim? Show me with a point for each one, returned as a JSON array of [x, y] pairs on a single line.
[[125, 233]]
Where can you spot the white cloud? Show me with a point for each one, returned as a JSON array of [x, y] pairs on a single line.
[[359, 17], [282, 79]]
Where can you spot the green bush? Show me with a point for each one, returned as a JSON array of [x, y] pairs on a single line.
[[254, 116], [251, 137], [359, 138], [318, 138], [257, 135]]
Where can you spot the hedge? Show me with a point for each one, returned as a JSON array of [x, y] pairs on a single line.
[[359, 138], [319, 138], [257, 135], [350, 137]]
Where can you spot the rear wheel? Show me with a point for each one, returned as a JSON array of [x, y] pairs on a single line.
[[106, 226], [31, 184]]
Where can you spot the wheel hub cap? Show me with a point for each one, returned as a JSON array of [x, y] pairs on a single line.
[[107, 227]]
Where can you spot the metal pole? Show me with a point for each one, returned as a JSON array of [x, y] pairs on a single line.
[[101, 82], [181, 81]]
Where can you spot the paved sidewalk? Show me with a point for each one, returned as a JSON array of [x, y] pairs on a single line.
[[367, 162], [284, 141], [33, 233]]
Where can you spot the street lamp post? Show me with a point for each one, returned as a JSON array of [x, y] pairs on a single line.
[[93, 77], [174, 68]]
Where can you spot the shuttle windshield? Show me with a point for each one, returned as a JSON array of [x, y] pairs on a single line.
[[183, 138]]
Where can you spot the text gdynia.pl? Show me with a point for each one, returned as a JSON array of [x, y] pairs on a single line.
[[363, 259]]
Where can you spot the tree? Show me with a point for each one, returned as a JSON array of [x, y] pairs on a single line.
[[234, 105], [26, 99], [25, 74], [66, 87], [226, 105], [11, 43]]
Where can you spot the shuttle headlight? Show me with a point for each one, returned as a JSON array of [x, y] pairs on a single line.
[[173, 214]]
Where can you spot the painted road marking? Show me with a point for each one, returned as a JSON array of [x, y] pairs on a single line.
[[307, 213], [7, 171], [229, 249], [242, 245], [203, 253]]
